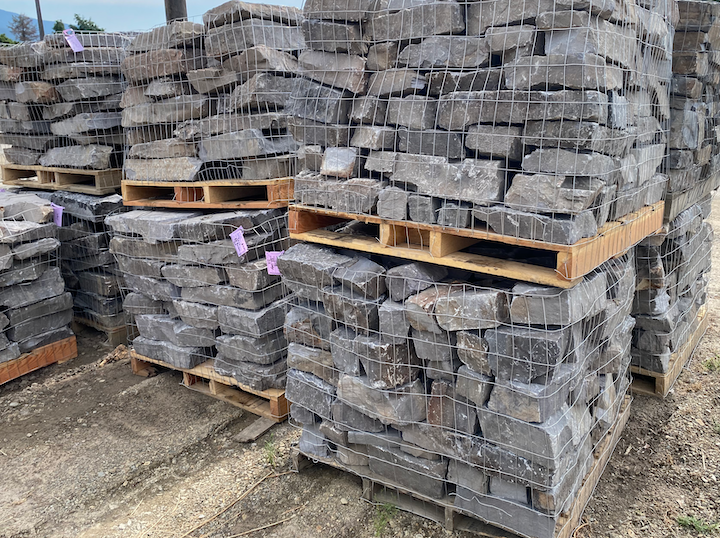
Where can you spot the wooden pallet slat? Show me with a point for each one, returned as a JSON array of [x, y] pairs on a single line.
[[443, 246], [270, 403], [79, 180], [215, 194], [658, 384], [60, 351], [442, 511]]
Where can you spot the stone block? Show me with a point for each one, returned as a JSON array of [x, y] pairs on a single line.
[[393, 204], [396, 82], [176, 34], [417, 22], [198, 315], [236, 10], [386, 365], [445, 52], [171, 110], [365, 277], [416, 474], [180, 357], [309, 325], [472, 350], [93, 156], [160, 63], [243, 144], [382, 56], [36, 92], [423, 208], [343, 71], [230, 296], [373, 137], [502, 13], [471, 309], [169, 148], [261, 58], [231, 39], [152, 287], [583, 71], [255, 323], [263, 92], [401, 405], [473, 386], [406, 280], [547, 193], [312, 265], [312, 101], [265, 350], [330, 36], [312, 360], [351, 308], [163, 327], [309, 132], [431, 142], [310, 392], [251, 276], [368, 110]]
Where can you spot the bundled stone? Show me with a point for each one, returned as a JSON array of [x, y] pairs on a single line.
[[207, 101], [489, 396], [36, 309], [193, 298], [62, 108], [527, 118]]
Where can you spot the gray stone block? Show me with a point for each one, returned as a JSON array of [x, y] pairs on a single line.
[[133, 248], [416, 22], [242, 144], [420, 308], [48, 284], [364, 277], [386, 365], [314, 361], [348, 419], [191, 276], [392, 204], [52, 305], [137, 303], [332, 36], [152, 287], [256, 376], [401, 405], [374, 137], [368, 110], [406, 280], [181, 357], [164, 327], [312, 442], [423, 208], [230, 296], [473, 386], [309, 325], [445, 51], [264, 351], [416, 474], [255, 323], [396, 82], [342, 71], [25, 251], [196, 314], [313, 101], [43, 339], [312, 265], [231, 39], [547, 193], [351, 308], [92, 156], [152, 226], [394, 327], [39, 325], [310, 392]]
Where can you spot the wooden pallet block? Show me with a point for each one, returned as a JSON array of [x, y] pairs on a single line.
[[64, 179], [380, 490], [203, 378], [649, 383], [442, 245], [60, 351], [115, 335], [217, 194]]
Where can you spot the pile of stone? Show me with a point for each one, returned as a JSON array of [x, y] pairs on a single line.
[[62, 108], [207, 101], [486, 395], [193, 298], [35, 309], [673, 266], [531, 117]]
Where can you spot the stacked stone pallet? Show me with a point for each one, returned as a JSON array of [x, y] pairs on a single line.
[[532, 117], [673, 266], [485, 395], [193, 298], [207, 101], [36, 309], [89, 268], [62, 108]]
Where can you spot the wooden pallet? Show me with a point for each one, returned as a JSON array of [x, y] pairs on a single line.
[[60, 351], [651, 383], [269, 403], [63, 179], [217, 194], [115, 335], [442, 245], [380, 490]]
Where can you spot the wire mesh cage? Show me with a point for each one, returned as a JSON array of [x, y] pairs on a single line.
[[35, 308], [488, 396], [199, 287], [206, 101], [60, 104]]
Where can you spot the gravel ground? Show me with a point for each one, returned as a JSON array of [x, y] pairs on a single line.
[[89, 450]]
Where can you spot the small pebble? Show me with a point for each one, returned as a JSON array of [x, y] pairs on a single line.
[[343, 500], [13, 404]]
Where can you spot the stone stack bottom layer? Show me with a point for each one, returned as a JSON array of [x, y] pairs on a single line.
[[487, 395], [206, 101], [539, 120], [194, 298], [62, 108], [35, 308], [673, 275]]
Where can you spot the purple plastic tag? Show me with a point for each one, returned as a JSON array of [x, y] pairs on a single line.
[[238, 239], [72, 40], [271, 257], [57, 213]]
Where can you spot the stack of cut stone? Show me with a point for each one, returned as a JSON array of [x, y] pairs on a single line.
[[193, 297], [486, 395], [89, 268], [521, 115], [67, 102], [207, 102], [673, 267], [36, 309], [23, 99]]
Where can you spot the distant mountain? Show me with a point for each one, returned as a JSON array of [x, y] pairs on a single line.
[[6, 20]]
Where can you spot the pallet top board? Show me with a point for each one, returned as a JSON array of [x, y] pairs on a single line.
[[443, 245], [78, 180]]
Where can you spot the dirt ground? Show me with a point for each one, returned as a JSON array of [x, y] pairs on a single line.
[[88, 450]]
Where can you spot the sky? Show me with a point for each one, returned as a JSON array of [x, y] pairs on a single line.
[[116, 15]]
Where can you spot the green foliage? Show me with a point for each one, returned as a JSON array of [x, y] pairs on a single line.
[[23, 28], [716, 428], [271, 451], [698, 524], [383, 514], [85, 25], [58, 27], [712, 364], [6, 39]]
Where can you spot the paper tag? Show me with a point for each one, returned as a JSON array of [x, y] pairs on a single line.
[[72, 40], [238, 239], [57, 213], [271, 257]]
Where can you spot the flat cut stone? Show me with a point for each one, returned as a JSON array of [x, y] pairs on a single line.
[[171, 110], [236, 10], [329, 36], [79, 89], [573, 71], [342, 71], [161, 63], [169, 148], [352, 308], [229, 122], [405, 280], [153, 288], [242, 144], [308, 325], [255, 323], [445, 51], [493, 141], [312, 265], [541, 192], [181, 357], [263, 92], [172, 169], [470, 309], [310, 392], [414, 112], [176, 34], [312, 360], [229, 296], [382, 56], [396, 82], [92, 156], [165, 328], [36, 92], [434, 18], [402, 405], [364, 277], [312, 101], [265, 350], [196, 314], [368, 109], [393, 204], [211, 80], [473, 386], [85, 122], [431, 142], [416, 474], [261, 58], [232, 39], [373, 137]]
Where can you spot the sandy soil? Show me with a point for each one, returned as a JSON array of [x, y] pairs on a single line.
[[88, 450]]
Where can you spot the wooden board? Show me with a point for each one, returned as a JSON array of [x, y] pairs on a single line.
[[254, 430], [379, 489], [63, 179], [60, 351], [651, 383], [203, 378], [442, 245], [218, 194]]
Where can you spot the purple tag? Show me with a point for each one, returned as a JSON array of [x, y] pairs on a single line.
[[57, 213], [271, 257], [72, 40], [238, 240]]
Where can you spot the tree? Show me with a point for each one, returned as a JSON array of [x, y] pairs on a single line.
[[58, 27], [6, 39], [23, 28], [85, 25]]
